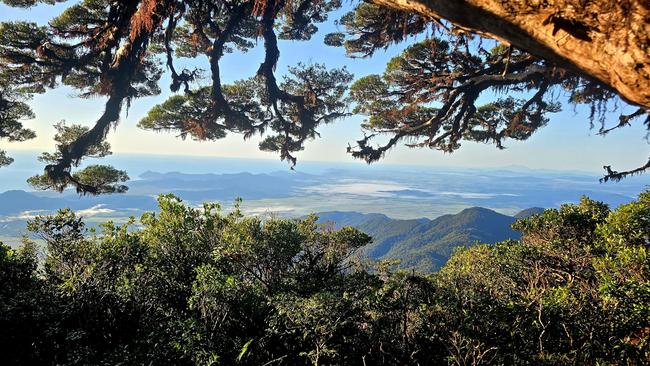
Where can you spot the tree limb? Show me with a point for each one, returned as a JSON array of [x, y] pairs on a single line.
[[612, 49]]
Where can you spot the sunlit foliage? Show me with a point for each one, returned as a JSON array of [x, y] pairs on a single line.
[[449, 86], [204, 286]]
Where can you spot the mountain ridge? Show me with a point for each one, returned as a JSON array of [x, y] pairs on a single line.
[[425, 244]]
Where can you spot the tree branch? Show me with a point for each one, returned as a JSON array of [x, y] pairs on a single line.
[[617, 176], [562, 32]]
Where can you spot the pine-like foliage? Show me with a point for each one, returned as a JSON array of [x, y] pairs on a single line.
[[433, 95]]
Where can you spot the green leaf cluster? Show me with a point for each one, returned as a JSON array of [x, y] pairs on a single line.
[[206, 286]]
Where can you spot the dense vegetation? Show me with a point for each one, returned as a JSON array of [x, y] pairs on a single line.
[[198, 286]]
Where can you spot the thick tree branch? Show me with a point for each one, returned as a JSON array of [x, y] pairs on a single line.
[[606, 41], [120, 74]]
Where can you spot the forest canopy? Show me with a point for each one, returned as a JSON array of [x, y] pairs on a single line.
[[431, 95], [201, 286]]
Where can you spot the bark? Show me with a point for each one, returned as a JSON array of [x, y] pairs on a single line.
[[606, 40]]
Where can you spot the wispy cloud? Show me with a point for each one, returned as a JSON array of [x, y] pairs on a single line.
[[372, 188], [269, 210], [476, 195], [88, 212], [94, 211], [25, 215]]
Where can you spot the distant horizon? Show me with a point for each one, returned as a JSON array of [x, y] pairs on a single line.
[[275, 159], [14, 176], [474, 180], [397, 191]]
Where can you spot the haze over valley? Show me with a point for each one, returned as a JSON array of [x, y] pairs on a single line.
[[415, 214]]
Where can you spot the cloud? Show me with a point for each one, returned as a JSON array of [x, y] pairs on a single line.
[[372, 188], [476, 195], [94, 211], [383, 189], [25, 215], [270, 210]]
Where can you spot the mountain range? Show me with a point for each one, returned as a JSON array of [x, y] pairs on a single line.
[[16, 202], [457, 207], [424, 244]]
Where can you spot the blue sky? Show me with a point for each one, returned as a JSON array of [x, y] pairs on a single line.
[[567, 143]]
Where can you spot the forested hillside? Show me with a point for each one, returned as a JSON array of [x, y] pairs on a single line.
[[423, 244], [195, 286]]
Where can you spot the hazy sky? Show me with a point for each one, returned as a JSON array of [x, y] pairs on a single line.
[[566, 143]]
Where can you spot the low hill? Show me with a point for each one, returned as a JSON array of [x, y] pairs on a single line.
[[14, 202], [18, 202], [423, 244], [524, 214]]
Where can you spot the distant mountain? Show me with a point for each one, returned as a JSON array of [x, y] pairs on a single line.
[[425, 244], [18, 202], [16, 207], [15, 202], [222, 187], [524, 214]]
